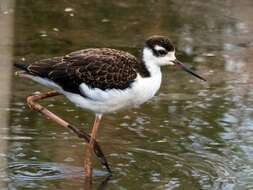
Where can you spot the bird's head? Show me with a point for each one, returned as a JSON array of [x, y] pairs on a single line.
[[160, 51]]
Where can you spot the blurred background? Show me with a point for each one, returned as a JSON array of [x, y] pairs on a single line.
[[192, 135]]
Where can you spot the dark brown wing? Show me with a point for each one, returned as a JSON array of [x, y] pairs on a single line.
[[98, 68]]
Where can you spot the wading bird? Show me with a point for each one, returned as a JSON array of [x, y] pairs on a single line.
[[104, 80]]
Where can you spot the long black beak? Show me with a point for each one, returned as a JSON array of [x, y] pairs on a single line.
[[187, 69]]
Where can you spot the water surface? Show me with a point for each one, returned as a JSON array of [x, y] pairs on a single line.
[[191, 135]]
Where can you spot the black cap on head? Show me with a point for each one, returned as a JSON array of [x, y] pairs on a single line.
[[162, 41]]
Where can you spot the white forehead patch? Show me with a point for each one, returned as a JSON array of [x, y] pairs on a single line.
[[171, 56], [150, 59], [157, 48]]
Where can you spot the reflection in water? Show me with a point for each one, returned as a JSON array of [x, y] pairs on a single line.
[[26, 174], [190, 136]]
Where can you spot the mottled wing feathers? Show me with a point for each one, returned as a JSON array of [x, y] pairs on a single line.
[[43, 67], [98, 68]]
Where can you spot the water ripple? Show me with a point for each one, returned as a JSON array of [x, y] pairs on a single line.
[[46, 171], [207, 170]]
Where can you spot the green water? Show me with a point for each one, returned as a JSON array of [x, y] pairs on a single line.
[[192, 135]]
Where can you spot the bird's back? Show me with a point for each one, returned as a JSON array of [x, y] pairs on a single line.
[[101, 68]]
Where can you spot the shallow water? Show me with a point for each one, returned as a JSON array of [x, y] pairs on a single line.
[[191, 135]]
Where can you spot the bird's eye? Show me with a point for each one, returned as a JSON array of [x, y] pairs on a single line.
[[162, 52]]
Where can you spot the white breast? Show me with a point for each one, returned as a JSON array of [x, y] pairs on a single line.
[[100, 101], [141, 90]]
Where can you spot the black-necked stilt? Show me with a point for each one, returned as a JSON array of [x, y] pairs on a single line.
[[105, 80]]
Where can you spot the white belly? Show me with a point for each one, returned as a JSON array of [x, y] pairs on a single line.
[[112, 100], [100, 101]]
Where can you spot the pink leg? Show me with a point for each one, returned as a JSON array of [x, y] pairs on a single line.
[[89, 148], [31, 101]]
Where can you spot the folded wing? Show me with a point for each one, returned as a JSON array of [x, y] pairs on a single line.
[[104, 69]]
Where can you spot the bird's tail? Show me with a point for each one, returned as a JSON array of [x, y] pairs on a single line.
[[23, 68]]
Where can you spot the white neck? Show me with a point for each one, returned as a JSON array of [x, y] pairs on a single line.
[[150, 62]]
